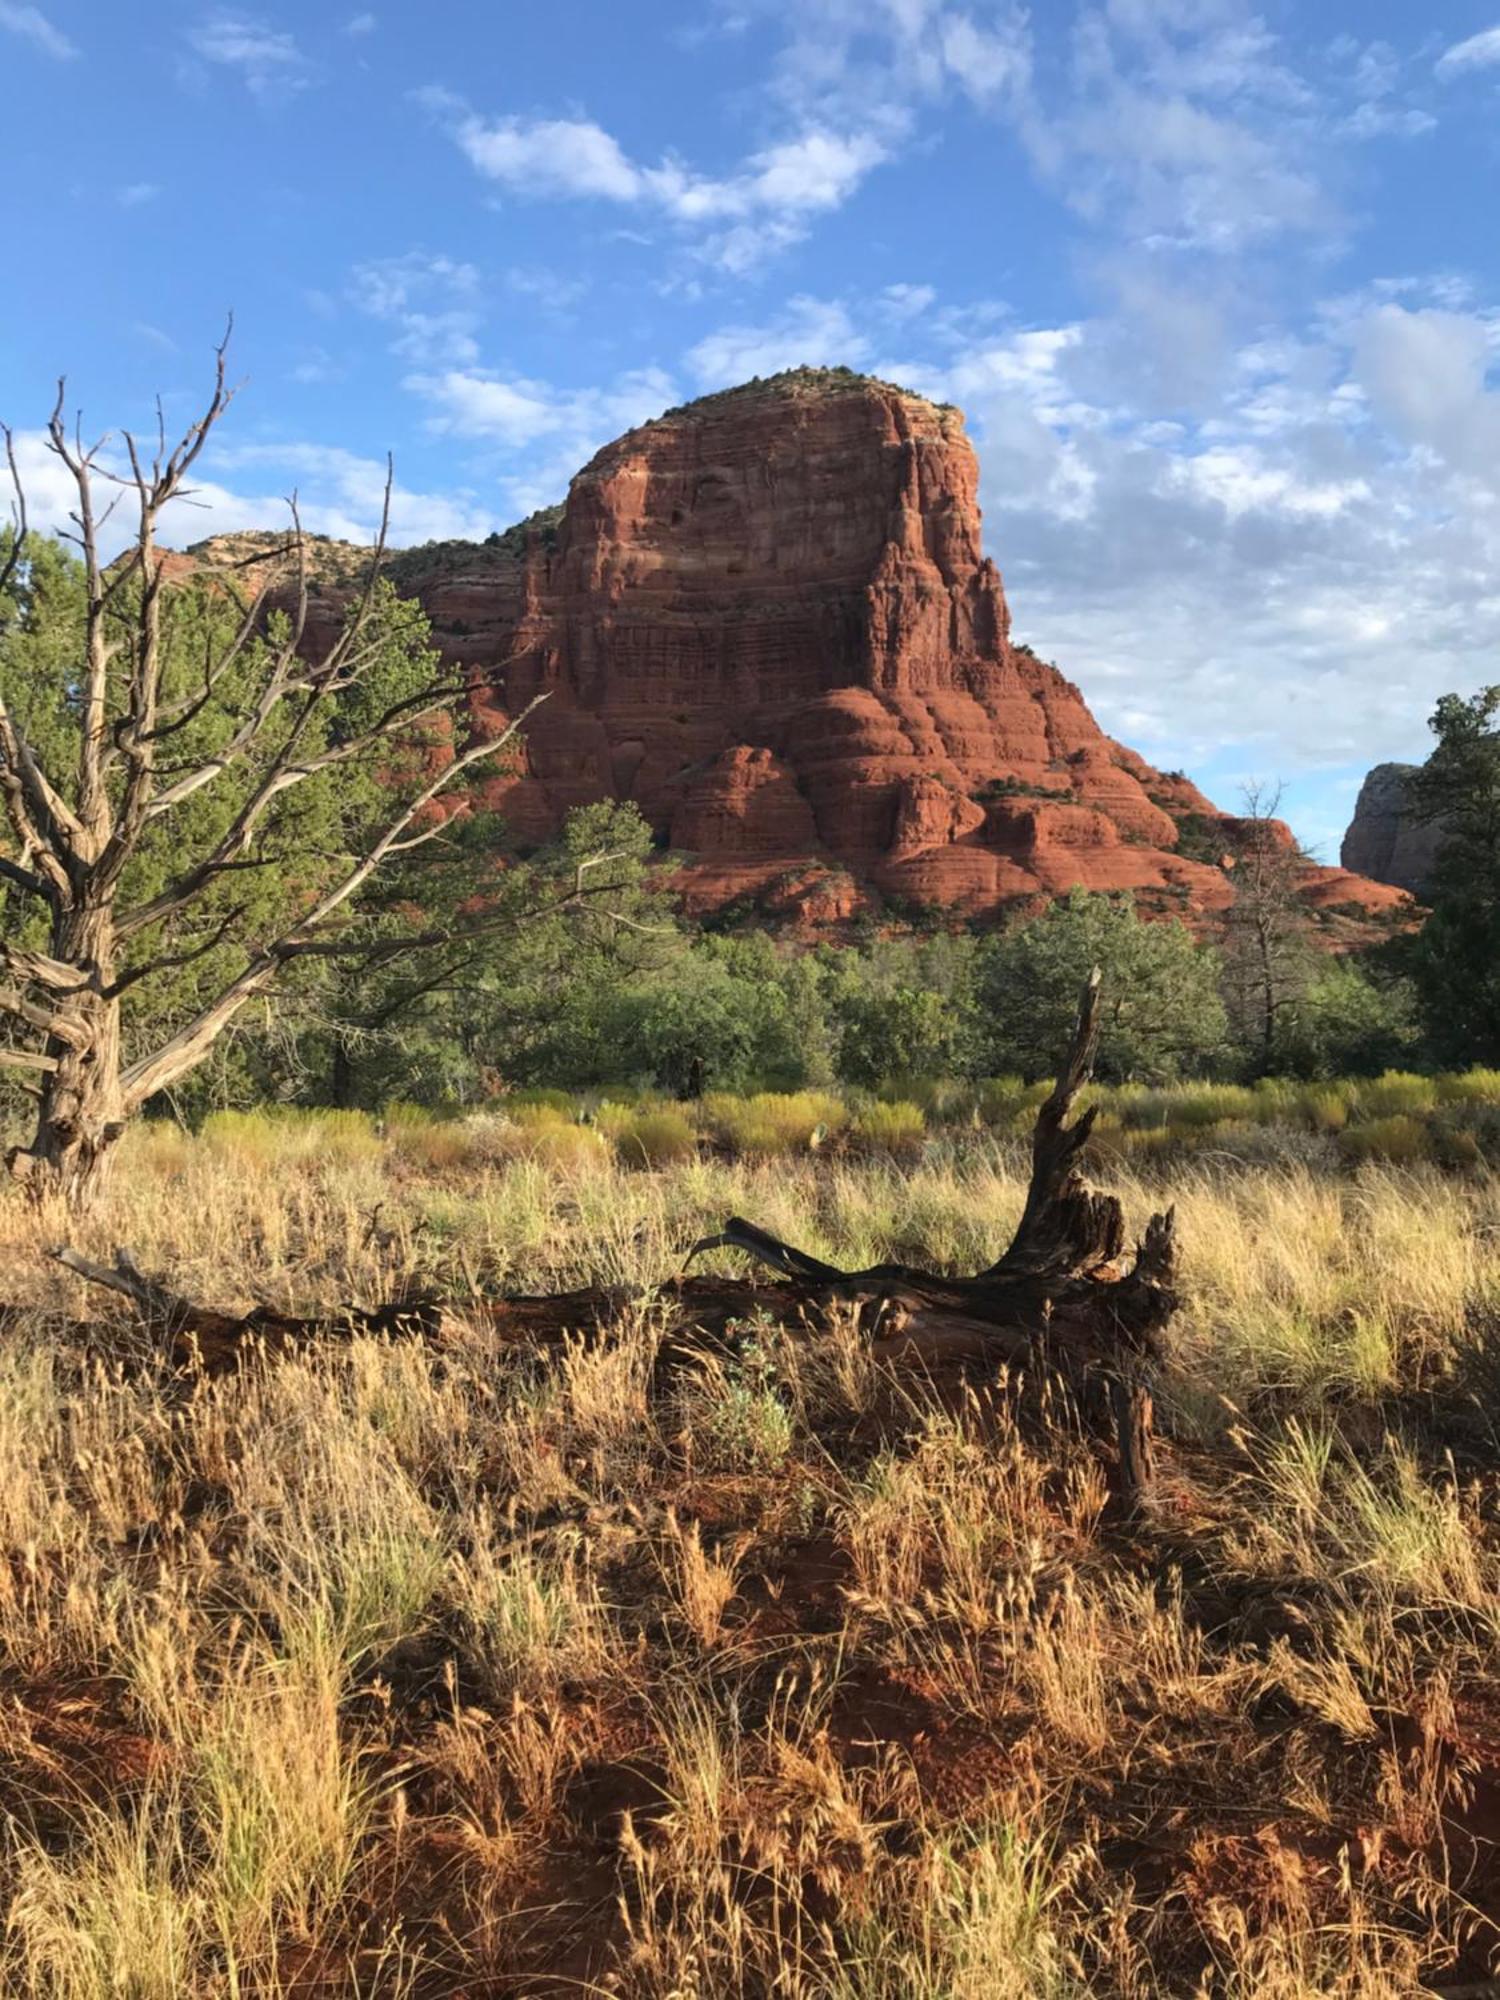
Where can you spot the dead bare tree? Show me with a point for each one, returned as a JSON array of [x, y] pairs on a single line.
[[72, 834], [1268, 925]]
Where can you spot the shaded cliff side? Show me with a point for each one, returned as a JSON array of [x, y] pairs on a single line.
[[1385, 841]]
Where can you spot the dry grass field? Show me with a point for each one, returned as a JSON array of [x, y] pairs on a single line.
[[452, 1669]]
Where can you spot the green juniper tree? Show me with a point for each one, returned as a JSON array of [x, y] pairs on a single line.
[[1455, 959], [1161, 1016]]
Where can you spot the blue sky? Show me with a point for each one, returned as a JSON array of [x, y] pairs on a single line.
[[1218, 287]]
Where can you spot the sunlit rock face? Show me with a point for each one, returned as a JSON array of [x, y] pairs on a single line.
[[767, 618]]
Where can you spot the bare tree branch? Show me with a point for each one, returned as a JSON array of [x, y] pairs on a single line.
[[26, 1059], [284, 774], [153, 1073], [175, 960], [14, 554], [74, 839], [46, 1020], [23, 879]]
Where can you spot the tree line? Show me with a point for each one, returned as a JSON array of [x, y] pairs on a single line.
[[232, 872]]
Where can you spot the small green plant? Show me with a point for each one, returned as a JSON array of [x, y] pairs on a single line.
[[742, 1418]]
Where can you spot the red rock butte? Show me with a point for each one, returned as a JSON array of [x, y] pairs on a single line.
[[767, 618]]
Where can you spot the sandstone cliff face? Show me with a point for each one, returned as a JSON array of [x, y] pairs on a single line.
[[768, 619], [1383, 840]]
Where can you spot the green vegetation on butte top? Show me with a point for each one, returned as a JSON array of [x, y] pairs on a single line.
[[790, 381]]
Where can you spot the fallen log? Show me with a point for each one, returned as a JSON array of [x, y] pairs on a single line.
[[191, 1335], [1064, 1297]]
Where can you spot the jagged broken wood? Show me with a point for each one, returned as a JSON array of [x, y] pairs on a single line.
[[1064, 1297]]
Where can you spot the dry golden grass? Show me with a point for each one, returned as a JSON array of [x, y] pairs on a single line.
[[397, 1670]]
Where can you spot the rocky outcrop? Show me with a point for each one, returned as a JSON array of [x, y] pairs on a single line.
[[767, 618], [1384, 841]]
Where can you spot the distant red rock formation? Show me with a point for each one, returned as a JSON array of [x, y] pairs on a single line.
[[767, 618]]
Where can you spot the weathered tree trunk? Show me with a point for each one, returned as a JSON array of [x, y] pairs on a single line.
[[341, 1075], [81, 1100], [1130, 1405]]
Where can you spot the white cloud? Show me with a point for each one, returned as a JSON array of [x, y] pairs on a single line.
[[1289, 578], [267, 59], [1241, 479], [471, 405], [1481, 51], [1180, 121], [552, 290], [742, 217], [870, 60], [518, 411], [1372, 120], [550, 156], [317, 365], [431, 301], [1425, 372], [1372, 73], [1181, 174], [339, 493], [1279, 571], [32, 25], [134, 193], [810, 332], [905, 301], [987, 63], [360, 24], [535, 434]]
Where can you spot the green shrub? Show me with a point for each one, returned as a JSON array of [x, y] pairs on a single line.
[[439, 1143], [540, 1099], [1208, 1104], [1006, 1100], [1399, 1138], [1147, 1141], [1396, 1094], [1277, 1099], [162, 1145], [649, 1135], [772, 1121], [1455, 1145], [889, 1128], [544, 1133], [945, 1100], [280, 1134], [741, 1420], [1325, 1109], [1472, 1086]]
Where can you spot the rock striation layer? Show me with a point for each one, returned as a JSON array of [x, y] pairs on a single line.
[[1384, 840], [767, 618]]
